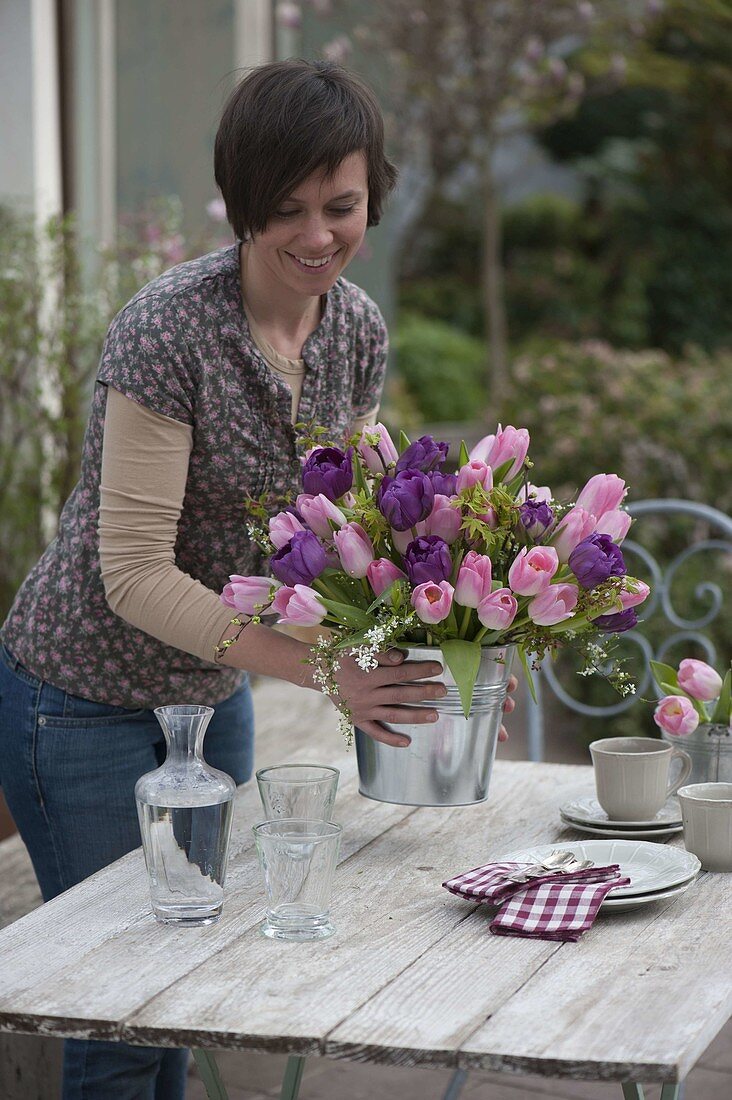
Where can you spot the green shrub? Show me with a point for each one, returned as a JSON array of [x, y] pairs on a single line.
[[662, 422], [441, 368]]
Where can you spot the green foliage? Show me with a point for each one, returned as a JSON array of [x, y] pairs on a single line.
[[663, 423], [440, 367]]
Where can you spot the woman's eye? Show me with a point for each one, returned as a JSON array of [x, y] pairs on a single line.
[[341, 211], [285, 213]]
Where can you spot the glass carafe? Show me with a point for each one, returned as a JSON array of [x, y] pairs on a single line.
[[185, 810]]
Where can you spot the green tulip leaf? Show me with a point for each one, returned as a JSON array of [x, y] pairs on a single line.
[[464, 456], [528, 673], [723, 710], [404, 442], [463, 660], [346, 613], [663, 675]]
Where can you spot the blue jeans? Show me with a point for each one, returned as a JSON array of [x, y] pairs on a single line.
[[68, 768]]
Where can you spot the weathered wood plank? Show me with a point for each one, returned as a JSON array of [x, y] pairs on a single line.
[[652, 993], [104, 927], [391, 910], [412, 977]]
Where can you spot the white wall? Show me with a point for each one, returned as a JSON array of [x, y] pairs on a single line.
[[30, 170]]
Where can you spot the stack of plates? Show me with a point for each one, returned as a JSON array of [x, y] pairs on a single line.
[[655, 871], [586, 815]]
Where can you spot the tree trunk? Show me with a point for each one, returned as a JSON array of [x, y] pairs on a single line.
[[494, 303]]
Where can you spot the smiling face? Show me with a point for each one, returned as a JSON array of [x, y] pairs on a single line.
[[314, 234]]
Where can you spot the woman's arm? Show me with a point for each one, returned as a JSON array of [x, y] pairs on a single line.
[[144, 470]]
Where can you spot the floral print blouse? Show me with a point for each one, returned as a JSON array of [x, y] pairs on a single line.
[[182, 348]]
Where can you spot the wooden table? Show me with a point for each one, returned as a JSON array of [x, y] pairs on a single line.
[[411, 978]]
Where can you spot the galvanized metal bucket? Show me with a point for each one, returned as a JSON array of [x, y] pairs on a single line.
[[448, 762], [710, 749]]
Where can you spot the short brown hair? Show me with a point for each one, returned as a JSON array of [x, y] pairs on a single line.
[[286, 120]]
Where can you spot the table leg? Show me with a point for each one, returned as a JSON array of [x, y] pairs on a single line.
[[455, 1087], [671, 1091], [632, 1091], [209, 1071], [293, 1077]]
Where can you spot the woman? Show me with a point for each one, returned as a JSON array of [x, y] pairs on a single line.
[[201, 379]]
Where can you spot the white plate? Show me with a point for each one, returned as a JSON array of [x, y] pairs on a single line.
[[641, 834], [650, 867], [588, 811], [622, 905]]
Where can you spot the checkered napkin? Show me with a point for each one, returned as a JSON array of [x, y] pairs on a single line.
[[551, 907]]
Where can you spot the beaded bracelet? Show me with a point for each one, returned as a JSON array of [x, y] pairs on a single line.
[[221, 647]]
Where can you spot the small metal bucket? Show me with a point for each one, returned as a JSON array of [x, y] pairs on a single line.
[[710, 749], [449, 762]]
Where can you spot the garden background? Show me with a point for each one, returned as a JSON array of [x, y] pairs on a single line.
[[558, 255]]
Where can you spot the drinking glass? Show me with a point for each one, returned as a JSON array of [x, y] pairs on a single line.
[[298, 790], [298, 859]]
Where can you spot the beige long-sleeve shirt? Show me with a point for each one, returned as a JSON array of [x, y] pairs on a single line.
[[144, 470]]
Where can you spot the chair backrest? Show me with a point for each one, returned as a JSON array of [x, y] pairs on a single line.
[[715, 537]]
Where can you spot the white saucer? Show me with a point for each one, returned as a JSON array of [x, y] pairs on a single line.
[[650, 867], [588, 811], [641, 834], [622, 905]]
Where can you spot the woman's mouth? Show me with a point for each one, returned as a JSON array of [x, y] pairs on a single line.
[[314, 265]]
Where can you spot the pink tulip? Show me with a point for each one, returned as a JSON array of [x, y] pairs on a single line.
[[354, 549], [247, 594], [444, 520], [473, 473], [508, 442], [400, 540], [555, 604], [575, 526], [282, 527], [369, 454], [675, 714], [474, 579], [602, 493], [640, 592], [320, 513], [533, 569], [432, 602], [382, 573], [299, 606], [615, 523], [498, 610], [699, 680]]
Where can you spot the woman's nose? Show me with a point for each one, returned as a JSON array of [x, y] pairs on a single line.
[[316, 237]]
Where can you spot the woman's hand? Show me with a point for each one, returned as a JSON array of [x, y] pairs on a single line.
[[381, 694]]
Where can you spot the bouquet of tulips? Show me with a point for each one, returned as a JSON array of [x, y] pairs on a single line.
[[389, 545], [690, 693]]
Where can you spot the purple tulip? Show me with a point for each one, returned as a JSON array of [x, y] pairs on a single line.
[[300, 561], [535, 518], [425, 455], [428, 559], [596, 558], [406, 499], [328, 471], [445, 485], [617, 623]]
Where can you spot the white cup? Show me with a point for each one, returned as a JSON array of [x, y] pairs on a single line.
[[706, 809], [631, 775]]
